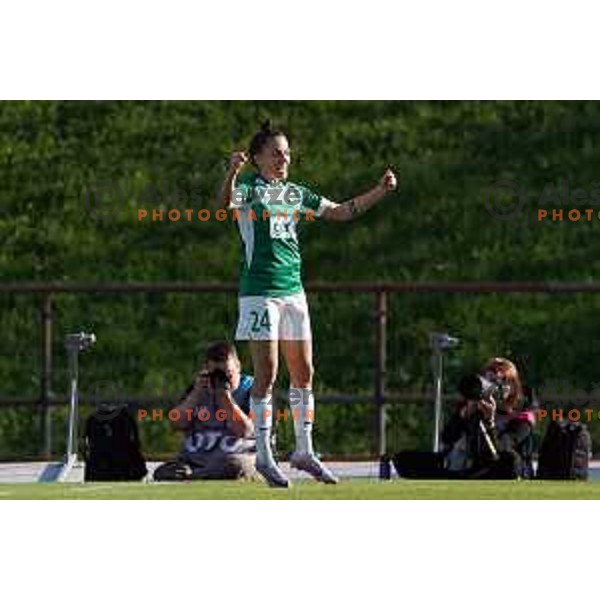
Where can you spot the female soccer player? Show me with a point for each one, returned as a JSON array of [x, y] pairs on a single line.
[[273, 313]]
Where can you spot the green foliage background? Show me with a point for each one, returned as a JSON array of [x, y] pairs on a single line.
[[56, 225]]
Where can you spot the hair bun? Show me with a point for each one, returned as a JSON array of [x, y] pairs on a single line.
[[266, 126]]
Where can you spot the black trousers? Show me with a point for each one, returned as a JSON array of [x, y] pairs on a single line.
[[235, 466], [430, 465]]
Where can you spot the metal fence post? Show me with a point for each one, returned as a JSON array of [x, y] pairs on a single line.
[[46, 378], [437, 362], [380, 368]]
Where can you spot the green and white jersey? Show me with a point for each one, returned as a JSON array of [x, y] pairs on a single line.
[[267, 216]]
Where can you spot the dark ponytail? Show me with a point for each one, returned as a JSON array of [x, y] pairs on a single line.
[[261, 137]]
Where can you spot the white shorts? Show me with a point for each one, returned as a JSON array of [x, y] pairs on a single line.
[[282, 318]]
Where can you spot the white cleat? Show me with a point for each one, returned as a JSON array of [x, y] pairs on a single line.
[[305, 461], [272, 474]]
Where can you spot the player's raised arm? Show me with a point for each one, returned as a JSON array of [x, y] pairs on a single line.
[[346, 211], [236, 163]]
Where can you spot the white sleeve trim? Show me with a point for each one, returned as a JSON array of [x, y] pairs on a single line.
[[232, 200], [324, 205]]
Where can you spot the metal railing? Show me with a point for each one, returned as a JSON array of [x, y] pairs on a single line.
[[379, 290]]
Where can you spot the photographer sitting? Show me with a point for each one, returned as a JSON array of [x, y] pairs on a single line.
[[219, 436], [490, 435], [515, 415]]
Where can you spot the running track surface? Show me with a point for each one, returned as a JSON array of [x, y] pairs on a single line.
[[30, 472]]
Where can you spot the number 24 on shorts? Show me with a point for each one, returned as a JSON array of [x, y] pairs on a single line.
[[260, 321]]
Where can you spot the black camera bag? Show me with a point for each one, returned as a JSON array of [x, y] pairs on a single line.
[[565, 451], [113, 447]]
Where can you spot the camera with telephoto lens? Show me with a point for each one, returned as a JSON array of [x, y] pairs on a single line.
[[480, 387], [219, 379]]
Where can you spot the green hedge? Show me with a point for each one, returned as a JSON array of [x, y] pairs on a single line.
[[436, 228]]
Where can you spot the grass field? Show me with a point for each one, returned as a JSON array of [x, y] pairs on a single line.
[[307, 490]]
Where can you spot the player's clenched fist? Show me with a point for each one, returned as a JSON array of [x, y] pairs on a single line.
[[237, 161], [388, 181]]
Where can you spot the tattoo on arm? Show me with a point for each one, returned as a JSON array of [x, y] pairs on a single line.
[[353, 208]]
